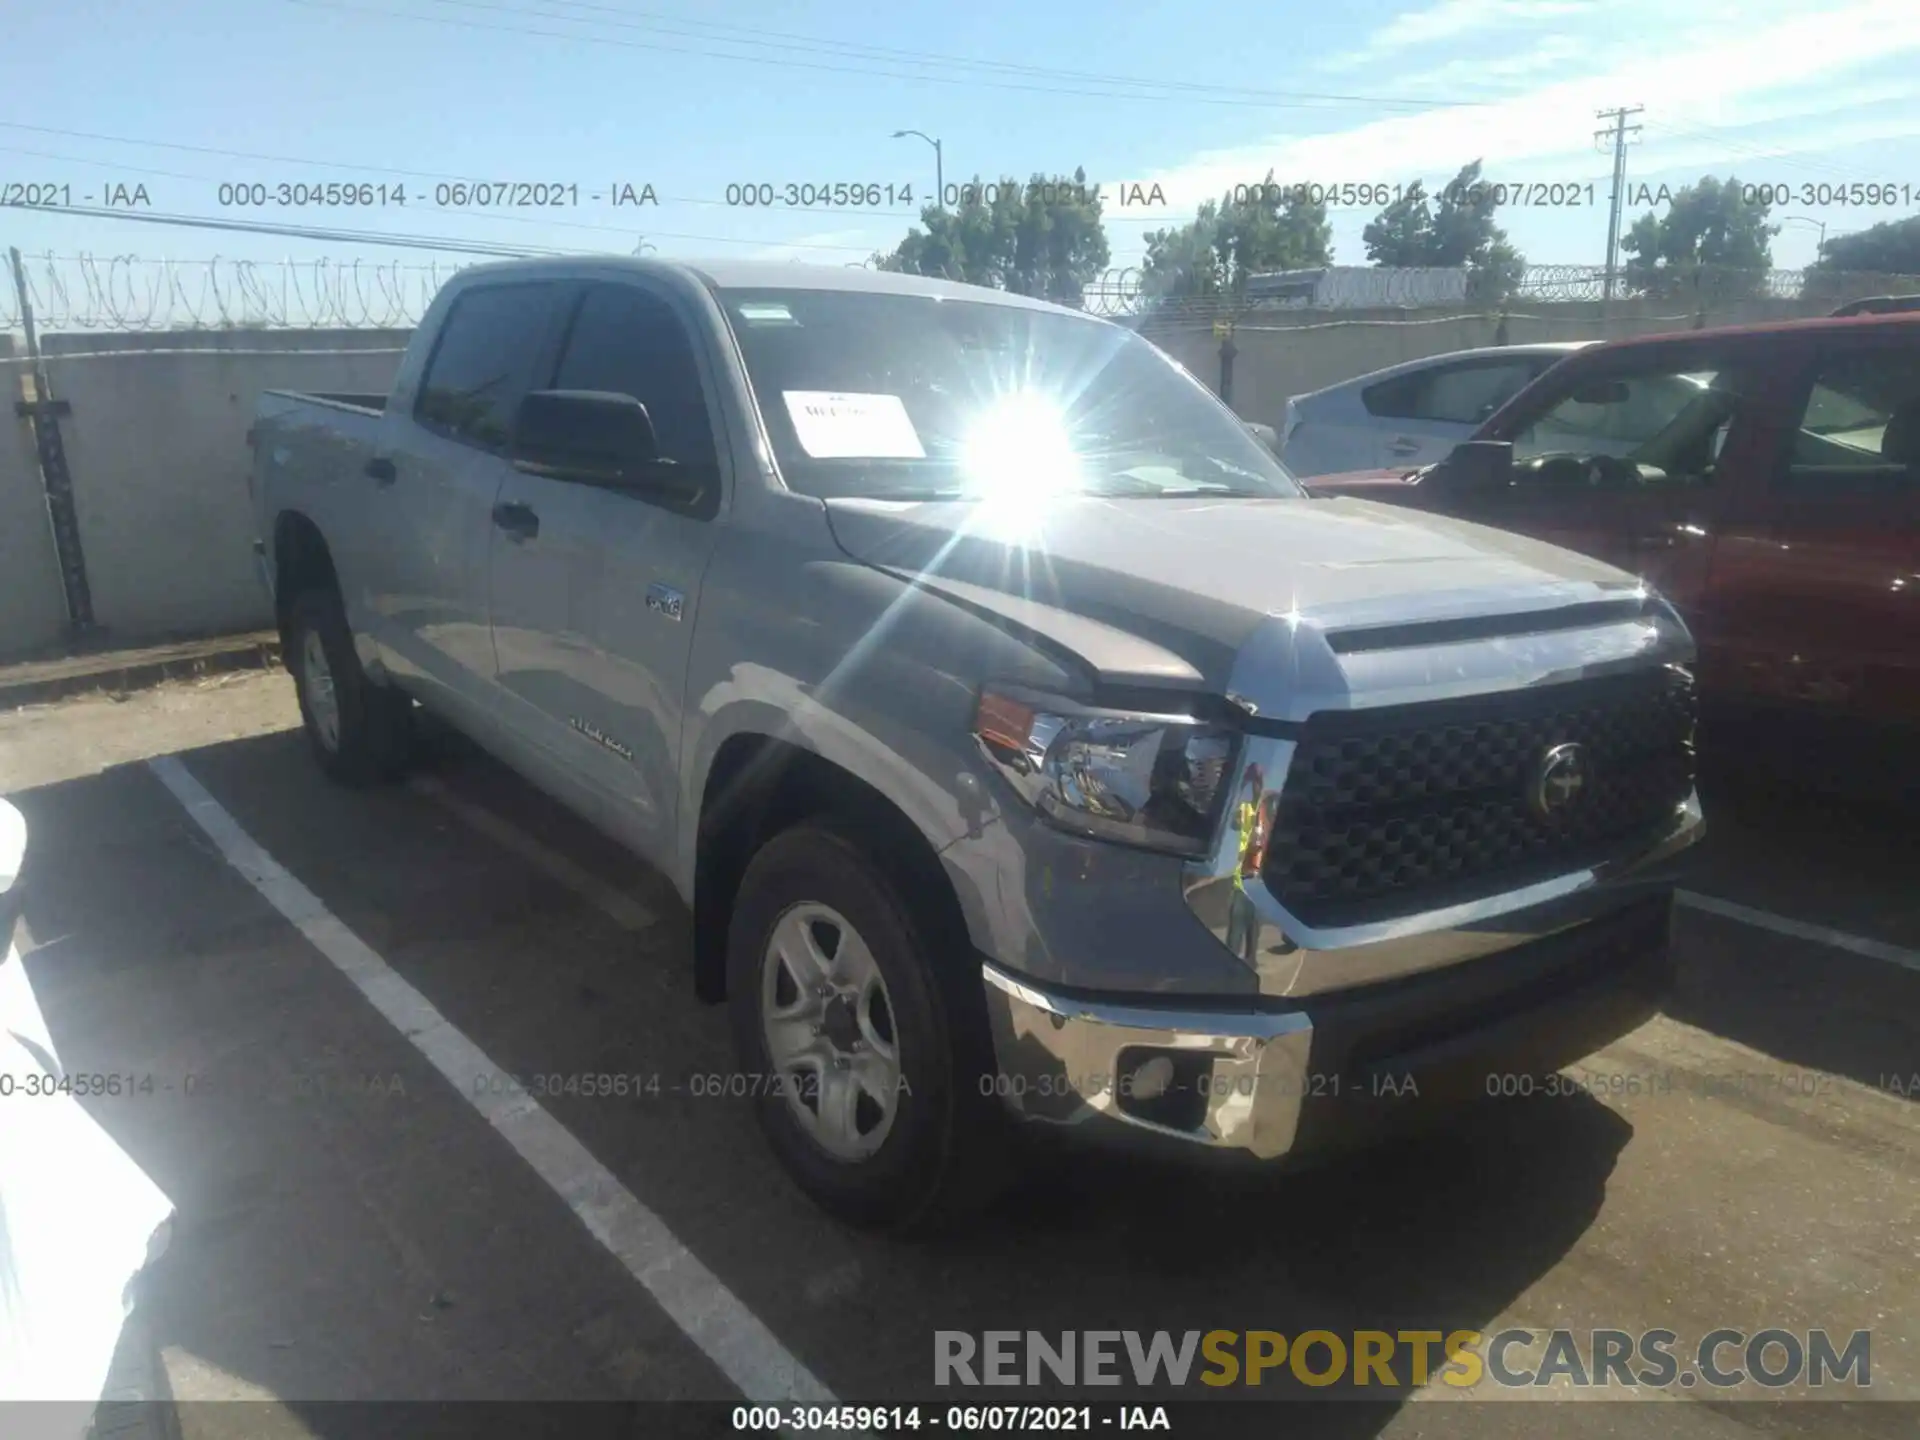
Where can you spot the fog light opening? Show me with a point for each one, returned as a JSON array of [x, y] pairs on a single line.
[[1168, 1088], [1151, 1079]]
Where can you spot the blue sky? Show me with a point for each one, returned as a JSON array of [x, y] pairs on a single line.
[[691, 98]]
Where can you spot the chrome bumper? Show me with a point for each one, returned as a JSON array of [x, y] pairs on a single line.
[[1067, 1061], [1333, 1070]]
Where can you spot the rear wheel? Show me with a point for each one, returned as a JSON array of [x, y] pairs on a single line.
[[361, 731], [863, 1053]]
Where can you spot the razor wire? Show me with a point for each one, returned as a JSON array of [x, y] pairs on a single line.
[[133, 293], [128, 292], [1136, 291]]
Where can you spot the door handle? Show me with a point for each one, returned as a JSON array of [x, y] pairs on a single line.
[[519, 521], [1403, 445], [380, 469]]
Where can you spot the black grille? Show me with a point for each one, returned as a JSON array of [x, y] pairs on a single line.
[[1388, 812]]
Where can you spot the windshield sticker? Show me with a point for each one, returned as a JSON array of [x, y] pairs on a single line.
[[767, 314], [835, 426]]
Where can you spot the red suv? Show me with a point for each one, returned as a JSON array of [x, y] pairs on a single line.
[[1766, 479]]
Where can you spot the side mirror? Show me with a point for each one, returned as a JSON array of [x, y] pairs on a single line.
[[597, 438], [1474, 468], [1266, 434]]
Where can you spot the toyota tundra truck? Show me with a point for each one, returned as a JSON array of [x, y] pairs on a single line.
[[1036, 758]]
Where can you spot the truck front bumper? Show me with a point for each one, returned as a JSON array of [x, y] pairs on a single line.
[[1275, 1078]]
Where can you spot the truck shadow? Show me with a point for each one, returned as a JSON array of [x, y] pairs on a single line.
[[1440, 1235]]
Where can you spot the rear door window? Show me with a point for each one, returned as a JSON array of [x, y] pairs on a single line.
[[1462, 394], [1859, 429]]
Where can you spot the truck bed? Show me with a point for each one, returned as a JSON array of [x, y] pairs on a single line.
[[309, 456], [343, 400]]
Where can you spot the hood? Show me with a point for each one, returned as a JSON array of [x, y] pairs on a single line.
[[1196, 577]]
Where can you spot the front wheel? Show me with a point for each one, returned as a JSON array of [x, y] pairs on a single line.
[[361, 732], [865, 1058]]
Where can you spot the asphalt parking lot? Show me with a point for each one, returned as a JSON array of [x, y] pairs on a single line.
[[352, 1226]]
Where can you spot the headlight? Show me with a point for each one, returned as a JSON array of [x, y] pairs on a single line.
[[1152, 780]]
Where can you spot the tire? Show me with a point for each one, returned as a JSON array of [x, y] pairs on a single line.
[[361, 732], [941, 1156]]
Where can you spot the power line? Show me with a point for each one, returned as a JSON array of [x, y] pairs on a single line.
[[351, 167], [304, 232], [693, 29], [466, 211], [119, 167], [432, 242], [1303, 100], [1717, 134], [300, 232], [346, 165], [442, 175]]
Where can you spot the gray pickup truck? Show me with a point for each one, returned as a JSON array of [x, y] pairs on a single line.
[[1027, 745]]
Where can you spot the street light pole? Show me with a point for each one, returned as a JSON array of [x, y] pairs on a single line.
[[1820, 225], [939, 164]]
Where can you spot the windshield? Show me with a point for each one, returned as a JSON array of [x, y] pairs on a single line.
[[921, 397]]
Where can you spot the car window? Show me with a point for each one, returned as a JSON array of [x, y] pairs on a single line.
[[1859, 428], [902, 395], [483, 362], [1664, 424], [1468, 394], [628, 342], [1459, 394]]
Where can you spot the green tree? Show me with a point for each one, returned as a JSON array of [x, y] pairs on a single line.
[[1453, 232], [1046, 238], [1713, 243], [1252, 230], [1889, 248], [1401, 236]]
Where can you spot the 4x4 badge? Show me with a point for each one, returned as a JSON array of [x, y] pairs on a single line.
[[665, 600]]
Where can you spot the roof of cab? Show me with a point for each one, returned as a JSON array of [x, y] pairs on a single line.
[[774, 275]]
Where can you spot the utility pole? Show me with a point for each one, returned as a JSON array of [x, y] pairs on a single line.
[[43, 411], [1619, 132]]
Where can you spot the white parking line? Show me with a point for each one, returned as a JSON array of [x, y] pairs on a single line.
[[1801, 930], [692, 1295], [621, 907]]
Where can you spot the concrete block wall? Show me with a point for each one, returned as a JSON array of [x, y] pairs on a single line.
[[156, 443]]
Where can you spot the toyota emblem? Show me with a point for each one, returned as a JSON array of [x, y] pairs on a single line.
[[1558, 780]]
